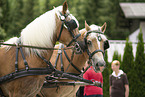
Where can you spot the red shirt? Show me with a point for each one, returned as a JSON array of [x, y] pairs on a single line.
[[89, 75]]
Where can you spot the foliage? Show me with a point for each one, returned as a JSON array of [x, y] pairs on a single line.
[[116, 56], [19, 13], [128, 64], [2, 33], [106, 74], [139, 68], [16, 14], [128, 58]]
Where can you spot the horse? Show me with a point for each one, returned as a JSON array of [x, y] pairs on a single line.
[[96, 40], [55, 25]]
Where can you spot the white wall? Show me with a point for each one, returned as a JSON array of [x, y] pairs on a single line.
[[118, 45]]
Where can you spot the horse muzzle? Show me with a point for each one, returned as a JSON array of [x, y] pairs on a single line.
[[99, 66]]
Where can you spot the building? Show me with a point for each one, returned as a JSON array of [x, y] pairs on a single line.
[[136, 13]]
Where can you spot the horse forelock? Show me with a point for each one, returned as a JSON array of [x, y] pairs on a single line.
[[95, 27], [83, 32]]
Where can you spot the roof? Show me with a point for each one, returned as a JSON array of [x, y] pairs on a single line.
[[133, 10], [133, 36]]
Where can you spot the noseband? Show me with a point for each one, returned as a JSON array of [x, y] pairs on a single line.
[[70, 25]]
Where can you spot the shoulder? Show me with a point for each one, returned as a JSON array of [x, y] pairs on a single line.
[[110, 76], [124, 74]]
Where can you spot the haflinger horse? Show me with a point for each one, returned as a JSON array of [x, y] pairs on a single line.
[[55, 25], [96, 44]]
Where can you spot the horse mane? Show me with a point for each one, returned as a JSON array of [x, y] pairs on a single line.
[[41, 31]]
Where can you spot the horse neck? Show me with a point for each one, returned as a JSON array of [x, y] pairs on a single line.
[[41, 32], [78, 60]]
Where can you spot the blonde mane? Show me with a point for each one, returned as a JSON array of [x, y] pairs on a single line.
[[41, 31]]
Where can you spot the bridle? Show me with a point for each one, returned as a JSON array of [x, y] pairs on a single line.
[[85, 49], [99, 39], [70, 25]]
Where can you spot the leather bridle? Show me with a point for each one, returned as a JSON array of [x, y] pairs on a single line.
[[70, 26]]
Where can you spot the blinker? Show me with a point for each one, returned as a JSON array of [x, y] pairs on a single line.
[[106, 45], [71, 25]]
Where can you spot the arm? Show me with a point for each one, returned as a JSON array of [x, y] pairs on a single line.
[[126, 90], [110, 90], [126, 85], [110, 83]]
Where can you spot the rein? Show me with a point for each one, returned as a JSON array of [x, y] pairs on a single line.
[[35, 47], [36, 71], [69, 60]]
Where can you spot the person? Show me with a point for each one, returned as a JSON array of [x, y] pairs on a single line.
[[119, 86], [93, 91]]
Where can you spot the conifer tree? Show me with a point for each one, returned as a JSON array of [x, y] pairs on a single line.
[[128, 65], [116, 56], [28, 12], [139, 68], [3, 18], [128, 58], [106, 74], [15, 16]]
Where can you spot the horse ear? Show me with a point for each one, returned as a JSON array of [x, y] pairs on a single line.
[[65, 7], [56, 16], [103, 28], [87, 26]]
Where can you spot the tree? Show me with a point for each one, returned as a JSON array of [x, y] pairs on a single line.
[[106, 74], [116, 56], [28, 12], [128, 65], [14, 17], [3, 13], [128, 58], [139, 68]]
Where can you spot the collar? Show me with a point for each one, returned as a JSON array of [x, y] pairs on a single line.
[[120, 73]]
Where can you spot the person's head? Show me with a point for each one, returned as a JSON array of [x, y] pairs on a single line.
[[115, 65]]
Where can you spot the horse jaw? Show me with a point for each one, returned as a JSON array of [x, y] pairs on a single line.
[[98, 60]]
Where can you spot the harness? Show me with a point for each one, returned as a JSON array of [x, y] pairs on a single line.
[[51, 80], [38, 71], [70, 25], [59, 54], [43, 71]]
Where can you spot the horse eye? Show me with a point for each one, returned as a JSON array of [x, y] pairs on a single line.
[[89, 42]]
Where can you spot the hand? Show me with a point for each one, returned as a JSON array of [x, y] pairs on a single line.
[[98, 84]]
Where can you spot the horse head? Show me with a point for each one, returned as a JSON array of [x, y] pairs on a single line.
[[68, 30], [54, 25], [96, 44]]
